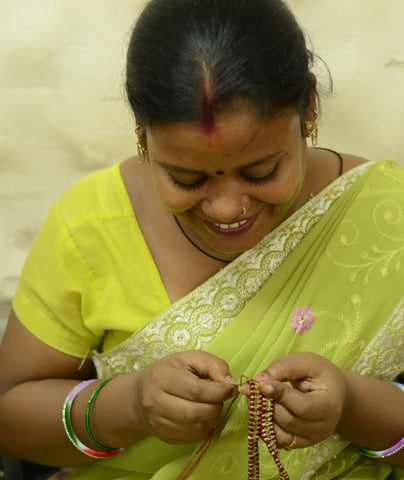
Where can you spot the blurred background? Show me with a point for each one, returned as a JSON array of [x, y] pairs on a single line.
[[63, 112]]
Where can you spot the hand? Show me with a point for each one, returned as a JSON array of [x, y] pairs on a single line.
[[310, 407], [180, 397]]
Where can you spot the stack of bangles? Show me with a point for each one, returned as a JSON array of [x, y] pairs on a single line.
[[389, 451], [105, 452]]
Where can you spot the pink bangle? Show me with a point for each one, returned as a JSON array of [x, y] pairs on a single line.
[[69, 429]]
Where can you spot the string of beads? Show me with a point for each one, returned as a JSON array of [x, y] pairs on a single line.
[[261, 425]]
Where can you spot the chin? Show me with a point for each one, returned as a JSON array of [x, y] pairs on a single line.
[[238, 247]]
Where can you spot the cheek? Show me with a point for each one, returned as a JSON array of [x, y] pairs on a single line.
[[172, 197], [285, 189]]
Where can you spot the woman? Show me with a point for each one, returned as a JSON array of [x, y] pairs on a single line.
[[230, 251]]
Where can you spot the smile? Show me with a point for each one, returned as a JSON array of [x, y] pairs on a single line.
[[227, 226], [232, 229]]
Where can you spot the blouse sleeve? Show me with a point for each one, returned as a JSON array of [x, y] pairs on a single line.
[[57, 291]]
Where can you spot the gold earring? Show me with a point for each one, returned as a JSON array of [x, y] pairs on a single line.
[[311, 129], [141, 143]]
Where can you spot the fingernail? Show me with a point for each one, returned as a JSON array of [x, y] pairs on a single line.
[[230, 379], [267, 389], [245, 390], [262, 376]]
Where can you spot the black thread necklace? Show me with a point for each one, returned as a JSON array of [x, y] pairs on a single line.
[[196, 246]]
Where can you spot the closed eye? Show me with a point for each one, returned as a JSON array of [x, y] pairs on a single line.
[[188, 187], [257, 180]]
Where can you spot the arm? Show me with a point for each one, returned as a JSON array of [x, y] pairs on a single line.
[[170, 399], [373, 415], [34, 381], [323, 398]]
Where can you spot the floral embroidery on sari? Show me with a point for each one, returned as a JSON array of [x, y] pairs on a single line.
[[386, 214], [303, 319]]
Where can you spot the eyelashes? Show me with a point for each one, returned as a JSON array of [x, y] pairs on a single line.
[[252, 180], [260, 180], [188, 188]]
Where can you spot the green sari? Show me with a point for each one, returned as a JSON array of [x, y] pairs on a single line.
[[336, 266]]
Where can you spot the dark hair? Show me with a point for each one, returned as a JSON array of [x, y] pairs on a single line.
[[187, 59]]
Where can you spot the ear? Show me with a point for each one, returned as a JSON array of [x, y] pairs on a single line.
[[312, 108], [140, 130]]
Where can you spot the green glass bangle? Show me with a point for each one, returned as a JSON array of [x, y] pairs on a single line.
[[69, 429], [89, 405]]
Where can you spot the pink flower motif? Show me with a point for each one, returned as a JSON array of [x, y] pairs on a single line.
[[302, 319]]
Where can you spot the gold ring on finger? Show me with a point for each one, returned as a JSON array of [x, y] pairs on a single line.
[[291, 446]]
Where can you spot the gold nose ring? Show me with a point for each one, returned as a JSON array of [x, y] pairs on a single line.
[[243, 211]]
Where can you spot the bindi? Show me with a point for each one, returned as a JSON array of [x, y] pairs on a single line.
[[220, 172]]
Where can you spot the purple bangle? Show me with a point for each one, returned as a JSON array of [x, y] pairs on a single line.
[[389, 451], [382, 453], [69, 429]]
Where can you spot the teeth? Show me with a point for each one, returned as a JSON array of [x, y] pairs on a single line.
[[227, 226]]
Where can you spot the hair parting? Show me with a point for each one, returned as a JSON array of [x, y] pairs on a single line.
[[207, 115]]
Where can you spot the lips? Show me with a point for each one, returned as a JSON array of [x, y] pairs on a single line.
[[232, 229]]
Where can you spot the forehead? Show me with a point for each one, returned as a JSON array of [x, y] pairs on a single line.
[[237, 132]]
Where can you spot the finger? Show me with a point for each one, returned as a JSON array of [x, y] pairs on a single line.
[[289, 440], [206, 365], [185, 384], [176, 376], [176, 420], [245, 390], [184, 411], [198, 368], [312, 431], [308, 406], [167, 429], [295, 367]]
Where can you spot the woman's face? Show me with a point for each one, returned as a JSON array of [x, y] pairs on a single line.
[[206, 177]]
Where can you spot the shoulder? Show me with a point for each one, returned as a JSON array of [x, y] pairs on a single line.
[[98, 195], [351, 161]]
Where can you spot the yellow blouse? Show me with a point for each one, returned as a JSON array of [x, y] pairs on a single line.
[[89, 280]]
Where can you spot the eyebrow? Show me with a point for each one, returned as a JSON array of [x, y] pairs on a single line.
[[175, 168]]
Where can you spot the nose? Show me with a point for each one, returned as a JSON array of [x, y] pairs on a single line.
[[224, 201]]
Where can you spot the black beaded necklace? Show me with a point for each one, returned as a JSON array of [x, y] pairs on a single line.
[[196, 246]]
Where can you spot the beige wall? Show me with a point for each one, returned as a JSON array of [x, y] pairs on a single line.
[[63, 112]]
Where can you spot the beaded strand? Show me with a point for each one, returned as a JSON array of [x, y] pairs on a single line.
[[261, 425], [254, 423]]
